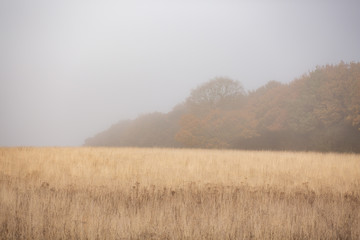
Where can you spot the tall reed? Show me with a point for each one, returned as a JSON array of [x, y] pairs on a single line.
[[131, 193]]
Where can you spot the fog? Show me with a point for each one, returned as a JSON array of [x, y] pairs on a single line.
[[70, 69]]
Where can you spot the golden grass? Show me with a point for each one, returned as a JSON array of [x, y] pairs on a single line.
[[130, 193]]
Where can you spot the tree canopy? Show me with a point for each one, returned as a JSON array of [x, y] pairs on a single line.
[[320, 111]]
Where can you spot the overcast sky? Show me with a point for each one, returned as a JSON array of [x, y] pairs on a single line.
[[70, 69]]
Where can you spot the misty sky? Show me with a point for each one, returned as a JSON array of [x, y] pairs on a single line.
[[70, 69]]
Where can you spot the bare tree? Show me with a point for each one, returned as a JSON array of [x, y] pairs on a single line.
[[219, 92]]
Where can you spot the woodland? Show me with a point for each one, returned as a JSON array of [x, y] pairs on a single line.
[[319, 111]]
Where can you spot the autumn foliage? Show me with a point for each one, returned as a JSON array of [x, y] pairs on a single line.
[[319, 111]]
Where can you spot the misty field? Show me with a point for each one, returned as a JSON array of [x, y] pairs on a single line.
[[130, 193]]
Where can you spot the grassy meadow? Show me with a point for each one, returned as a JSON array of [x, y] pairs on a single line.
[[133, 193]]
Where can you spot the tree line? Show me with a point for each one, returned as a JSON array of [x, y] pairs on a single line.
[[320, 111]]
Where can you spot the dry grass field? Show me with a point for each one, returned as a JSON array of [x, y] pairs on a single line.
[[129, 193]]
